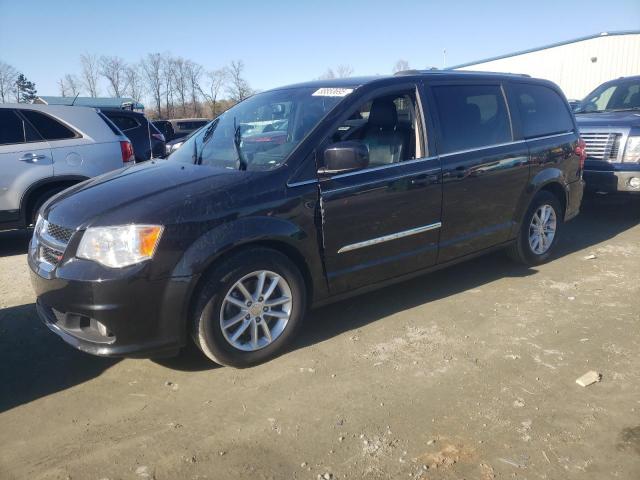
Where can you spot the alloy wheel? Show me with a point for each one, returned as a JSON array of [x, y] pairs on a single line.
[[255, 311], [542, 229]]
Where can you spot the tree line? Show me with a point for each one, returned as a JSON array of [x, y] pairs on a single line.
[[173, 86]]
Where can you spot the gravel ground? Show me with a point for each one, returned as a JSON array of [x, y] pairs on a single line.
[[465, 373]]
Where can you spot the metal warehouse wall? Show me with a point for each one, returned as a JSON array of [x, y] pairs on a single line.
[[571, 65]]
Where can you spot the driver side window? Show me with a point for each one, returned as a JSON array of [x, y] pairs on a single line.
[[388, 126]]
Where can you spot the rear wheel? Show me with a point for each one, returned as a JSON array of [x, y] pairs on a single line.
[[38, 202], [539, 230], [250, 308]]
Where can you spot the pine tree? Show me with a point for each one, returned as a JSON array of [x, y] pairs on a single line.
[[26, 90]]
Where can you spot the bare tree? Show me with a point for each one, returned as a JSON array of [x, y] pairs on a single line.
[[400, 66], [344, 71], [341, 71], [167, 72], [72, 84], [216, 80], [152, 68], [8, 76], [238, 88], [328, 75], [114, 70], [62, 87], [181, 82], [194, 73], [135, 82], [90, 73]]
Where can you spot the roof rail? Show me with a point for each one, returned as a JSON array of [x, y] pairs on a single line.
[[406, 72], [456, 72]]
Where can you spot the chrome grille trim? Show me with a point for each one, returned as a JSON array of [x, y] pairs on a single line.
[[61, 234], [605, 143], [51, 242]]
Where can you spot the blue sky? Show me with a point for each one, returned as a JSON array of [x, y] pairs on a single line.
[[288, 41]]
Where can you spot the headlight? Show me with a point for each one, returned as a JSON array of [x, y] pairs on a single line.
[[632, 150], [121, 246]]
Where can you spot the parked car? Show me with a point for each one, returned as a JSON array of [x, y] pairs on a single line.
[[378, 180], [175, 144], [609, 122], [45, 149], [180, 127], [147, 140]]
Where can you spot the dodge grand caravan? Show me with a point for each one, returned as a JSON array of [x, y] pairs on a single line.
[[300, 196]]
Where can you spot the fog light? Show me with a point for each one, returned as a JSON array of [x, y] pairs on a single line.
[[634, 182]]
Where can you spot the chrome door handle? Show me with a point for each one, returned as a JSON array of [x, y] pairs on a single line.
[[32, 157]]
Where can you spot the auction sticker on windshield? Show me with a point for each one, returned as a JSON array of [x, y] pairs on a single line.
[[332, 92]]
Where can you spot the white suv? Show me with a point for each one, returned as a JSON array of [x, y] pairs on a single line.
[[45, 149]]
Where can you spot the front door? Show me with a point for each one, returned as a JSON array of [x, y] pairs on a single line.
[[382, 221], [484, 171], [24, 160]]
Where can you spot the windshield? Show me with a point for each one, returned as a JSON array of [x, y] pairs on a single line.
[[260, 132], [624, 95]]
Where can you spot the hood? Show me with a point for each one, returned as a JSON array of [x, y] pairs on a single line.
[[609, 119], [157, 191]]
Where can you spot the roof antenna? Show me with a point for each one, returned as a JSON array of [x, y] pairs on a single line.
[[75, 98]]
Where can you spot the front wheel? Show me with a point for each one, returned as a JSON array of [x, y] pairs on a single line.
[[539, 230], [249, 309]]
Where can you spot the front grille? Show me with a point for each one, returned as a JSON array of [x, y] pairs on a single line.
[[50, 255], [59, 233], [51, 241], [602, 145]]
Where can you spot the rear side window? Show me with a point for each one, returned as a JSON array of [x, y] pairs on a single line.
[[49, 128], [542, 110], [471, 116], [124, 123], [110, 124], [11, 128], [14, 129]]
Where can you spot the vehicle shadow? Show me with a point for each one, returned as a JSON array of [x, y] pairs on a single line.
[[35, 363], [601, 219], [190, 359], [14, 242]]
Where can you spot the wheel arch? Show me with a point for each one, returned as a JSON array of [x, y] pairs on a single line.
[[279, 235], [549, 179], [37, 189]]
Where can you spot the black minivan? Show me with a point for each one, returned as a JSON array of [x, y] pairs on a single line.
[[300, 196]]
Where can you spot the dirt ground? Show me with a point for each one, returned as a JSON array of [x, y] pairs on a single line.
[[465, 373]]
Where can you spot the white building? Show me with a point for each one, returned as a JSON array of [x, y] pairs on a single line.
[[578, 66]]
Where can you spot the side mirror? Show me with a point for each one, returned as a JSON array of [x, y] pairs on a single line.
[[345, 156]]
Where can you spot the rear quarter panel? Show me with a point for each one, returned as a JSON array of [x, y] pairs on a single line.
[[83, 157]]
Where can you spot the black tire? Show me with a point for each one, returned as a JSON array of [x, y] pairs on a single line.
[[521, 251], [206, 322], [39, 201]]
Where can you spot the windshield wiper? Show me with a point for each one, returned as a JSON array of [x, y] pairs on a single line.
[[205, 138], [237, 140]]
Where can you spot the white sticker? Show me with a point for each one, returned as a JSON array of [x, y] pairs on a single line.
[[332, 92]]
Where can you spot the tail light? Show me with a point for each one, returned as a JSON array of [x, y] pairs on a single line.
[[158, 136], [127, 152], [581, 151]]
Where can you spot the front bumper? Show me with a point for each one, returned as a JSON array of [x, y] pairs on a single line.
[[610, 178], [119, 313], [575, 192]]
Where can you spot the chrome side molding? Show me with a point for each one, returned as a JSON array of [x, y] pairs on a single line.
[[387, 238]]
